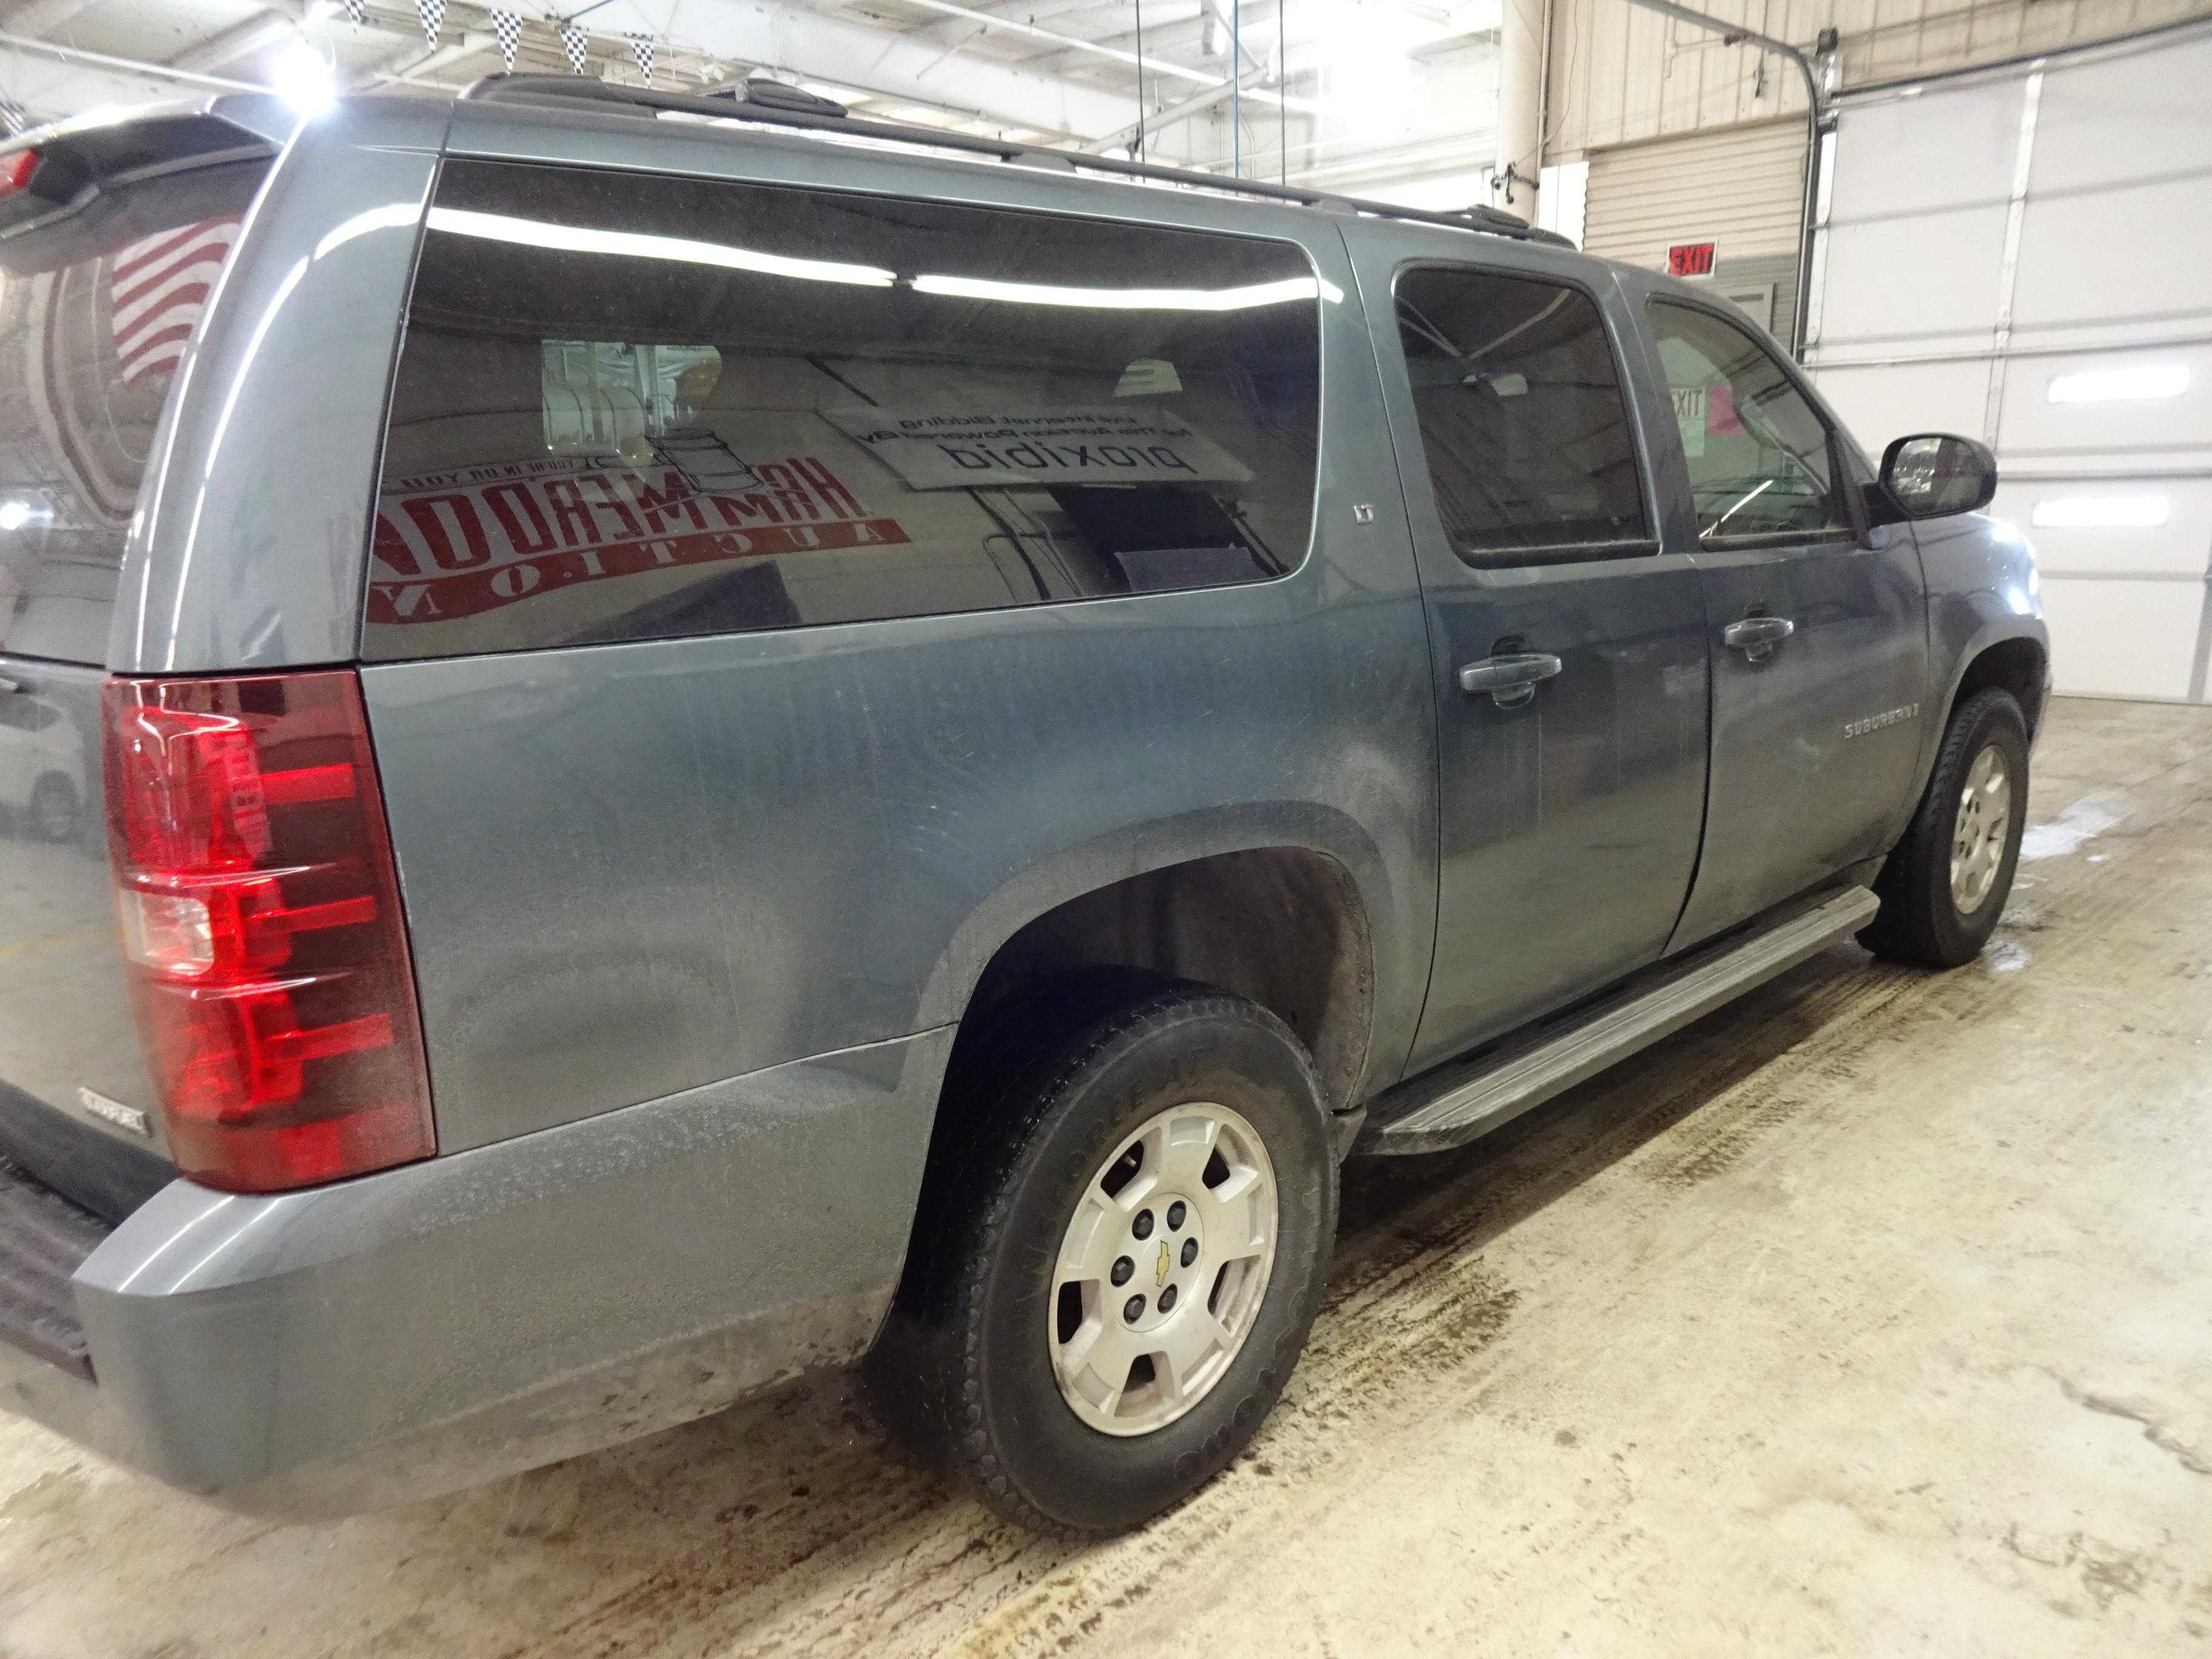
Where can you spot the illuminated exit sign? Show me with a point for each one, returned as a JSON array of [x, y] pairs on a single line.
[[1690, 259]]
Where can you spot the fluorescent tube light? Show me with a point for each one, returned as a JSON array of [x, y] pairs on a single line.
[[2108, 385], [579, 238], [1130, 299], [2099, 512]]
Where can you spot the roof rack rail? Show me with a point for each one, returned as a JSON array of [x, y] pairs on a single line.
[[780, 109]]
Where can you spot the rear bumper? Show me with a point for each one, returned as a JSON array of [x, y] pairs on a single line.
[[314, 1353]]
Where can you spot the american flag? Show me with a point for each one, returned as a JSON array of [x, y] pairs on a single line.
[[157, 287]]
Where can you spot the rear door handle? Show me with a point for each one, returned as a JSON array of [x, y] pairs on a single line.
[[1757, 636], [1511, 678]]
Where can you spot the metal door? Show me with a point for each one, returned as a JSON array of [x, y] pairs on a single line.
[[1817, 623], [1569, 666]]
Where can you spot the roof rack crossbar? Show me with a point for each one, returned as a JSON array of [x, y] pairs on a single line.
[[562, 89]]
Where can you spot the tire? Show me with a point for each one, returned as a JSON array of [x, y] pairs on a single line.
[[1929, 916], [53, 814], [970, 1366]]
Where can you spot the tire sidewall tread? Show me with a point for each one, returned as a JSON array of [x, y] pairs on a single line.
[[1919, 922], [973, 1348]]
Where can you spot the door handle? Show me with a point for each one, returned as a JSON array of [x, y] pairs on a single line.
[[1510, 678], [1757, 636]]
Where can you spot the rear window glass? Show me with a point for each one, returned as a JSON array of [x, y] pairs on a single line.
[[94, 312], [631, 407]]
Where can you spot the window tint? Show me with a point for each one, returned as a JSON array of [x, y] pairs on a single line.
[[1521, 416], [95, 310], [1757, 454], [633, 407]]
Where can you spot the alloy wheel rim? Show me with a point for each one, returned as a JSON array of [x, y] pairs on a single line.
[[1162, 1269], [1979, 832]]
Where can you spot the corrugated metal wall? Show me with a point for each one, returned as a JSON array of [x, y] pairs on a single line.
[[1741, 189]]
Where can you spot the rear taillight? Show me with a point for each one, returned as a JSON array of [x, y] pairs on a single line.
[[15, 171], [262, 928]]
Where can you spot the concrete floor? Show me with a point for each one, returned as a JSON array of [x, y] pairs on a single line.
[[1868, 1317]]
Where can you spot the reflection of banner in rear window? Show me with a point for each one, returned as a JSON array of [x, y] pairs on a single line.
[[458, 542], [1138, 443], [157, 288]]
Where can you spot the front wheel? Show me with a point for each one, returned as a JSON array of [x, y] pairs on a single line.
[[1945, 883], [1114, 1278]]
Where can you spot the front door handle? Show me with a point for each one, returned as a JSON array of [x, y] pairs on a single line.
[[1509, 678], [1757, 636]]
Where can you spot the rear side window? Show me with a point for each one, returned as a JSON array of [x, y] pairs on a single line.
[[1523, 423], [95, 308], [631, 407]]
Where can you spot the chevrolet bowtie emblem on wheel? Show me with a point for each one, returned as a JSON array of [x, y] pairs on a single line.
[[1160, 1273]]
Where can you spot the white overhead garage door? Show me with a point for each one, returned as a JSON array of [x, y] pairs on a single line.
[[2026, 257]]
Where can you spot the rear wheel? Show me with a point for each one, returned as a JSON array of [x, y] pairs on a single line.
[[1114, 1275], [1945, 885]]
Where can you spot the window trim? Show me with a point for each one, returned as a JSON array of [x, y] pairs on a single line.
[[1853, 531], [1835, 536], [1542, 555]]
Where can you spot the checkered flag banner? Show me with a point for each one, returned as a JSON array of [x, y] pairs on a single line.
[[353, 13], [574, 42], [641, 47], [13, 115], [433, 14], [508, 26]]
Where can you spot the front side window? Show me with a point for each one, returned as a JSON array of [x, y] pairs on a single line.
[[632, 407], [1760, 465], [1523, 423]]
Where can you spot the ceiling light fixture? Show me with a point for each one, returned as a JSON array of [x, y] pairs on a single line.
[[303, 78]]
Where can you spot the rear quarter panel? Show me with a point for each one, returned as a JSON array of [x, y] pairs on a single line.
[[253, 531], [634, 869]]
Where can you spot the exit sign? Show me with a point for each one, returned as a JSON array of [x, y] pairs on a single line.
[[1690, 259]]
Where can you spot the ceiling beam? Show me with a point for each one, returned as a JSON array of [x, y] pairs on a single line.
[[1160, 120], [1036, 11], [278, 22], [74, 80], [1075, 45], [1172, 46], [1068, 42], [1232, 26], [815, 45], [40, 18]]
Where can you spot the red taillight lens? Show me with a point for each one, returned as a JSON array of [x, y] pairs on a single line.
[[15, 171], [262, 928]]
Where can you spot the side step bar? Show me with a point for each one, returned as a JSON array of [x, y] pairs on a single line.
[[1454, 1104]]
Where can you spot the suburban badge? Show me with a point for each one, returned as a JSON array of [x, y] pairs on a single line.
[[125, 1117]]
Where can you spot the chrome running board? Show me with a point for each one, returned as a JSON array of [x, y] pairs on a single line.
[[1454, 1104]]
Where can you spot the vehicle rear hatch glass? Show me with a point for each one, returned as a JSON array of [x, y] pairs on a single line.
[[98, 299]]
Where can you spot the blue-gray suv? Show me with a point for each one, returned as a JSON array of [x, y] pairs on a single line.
[[667, 739]]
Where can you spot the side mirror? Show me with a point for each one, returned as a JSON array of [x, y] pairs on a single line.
[[1932, 475]]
